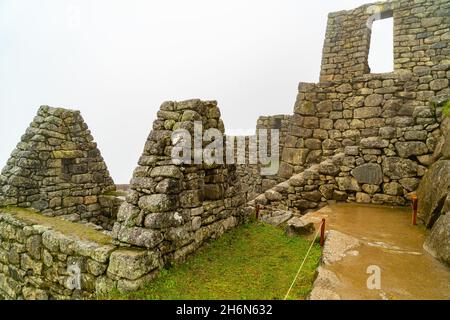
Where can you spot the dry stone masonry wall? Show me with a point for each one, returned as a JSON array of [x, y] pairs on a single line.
[[420, 33], [355, 136], [383, 123], [58, 170], [280, 123], [172, 209]]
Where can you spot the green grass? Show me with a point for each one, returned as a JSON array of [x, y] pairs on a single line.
[[254, 261], [116, 193], [446, 108], [78, 230]]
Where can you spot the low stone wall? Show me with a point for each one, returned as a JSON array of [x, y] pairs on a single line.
[[49, 258], [332, 180]]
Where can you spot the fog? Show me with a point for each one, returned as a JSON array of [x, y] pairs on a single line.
[[117, 61]]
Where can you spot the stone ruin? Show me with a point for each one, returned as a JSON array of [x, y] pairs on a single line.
[[172, 209], [58, 170], [354, 136]]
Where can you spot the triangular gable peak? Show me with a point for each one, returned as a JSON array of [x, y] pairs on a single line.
[[56, 168]]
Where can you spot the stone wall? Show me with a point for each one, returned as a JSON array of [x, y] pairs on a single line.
[[49, 258], [434, 194], [277, 122], [383, 123], [58, 170], [171, 209], [421, 34]]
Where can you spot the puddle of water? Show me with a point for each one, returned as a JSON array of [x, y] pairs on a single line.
[[392, 243]]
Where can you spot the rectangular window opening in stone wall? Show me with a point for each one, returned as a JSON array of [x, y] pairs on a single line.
[[381, 52], [66, 165]]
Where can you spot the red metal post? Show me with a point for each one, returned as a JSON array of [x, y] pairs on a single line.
[[414, 207], [257, 211], [322, 233]]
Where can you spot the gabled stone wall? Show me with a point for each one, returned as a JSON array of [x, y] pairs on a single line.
[[58, 170], [171, 209]]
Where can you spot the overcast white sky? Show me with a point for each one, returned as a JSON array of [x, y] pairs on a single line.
[[117, 61]]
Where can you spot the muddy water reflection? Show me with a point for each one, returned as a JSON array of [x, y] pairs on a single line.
[[391, 242]]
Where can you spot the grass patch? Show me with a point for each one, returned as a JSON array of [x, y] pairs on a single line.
[[446, 108], [78, 230], [254, 261], [116, 193]]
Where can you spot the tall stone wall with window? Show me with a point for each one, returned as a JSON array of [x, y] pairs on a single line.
[[383, 123], [421, 36]]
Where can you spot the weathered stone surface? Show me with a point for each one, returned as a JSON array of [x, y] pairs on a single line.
[[298, 227], [437, 242], [373, 100], [362, 197], [277, 217], [132, 264], [324, 287], [398, 168], [273, 195], [411, 148], [347, 184], [393, 189], [328, 168], [295, 156], [439, 84], [140, 237], [166, 171], [409, 184], [157, 203], [337, 244], [374, 143], [367, 112], [163, 220], [369, 173], [432, 192]]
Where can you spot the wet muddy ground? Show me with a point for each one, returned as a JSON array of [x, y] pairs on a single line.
[[391, 243]]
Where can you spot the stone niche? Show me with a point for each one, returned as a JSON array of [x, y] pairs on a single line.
[[57, 170], [172, 208]]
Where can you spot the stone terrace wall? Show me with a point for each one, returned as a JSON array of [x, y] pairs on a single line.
[[58, 170], [421, 35], [172, 209], [48, 258]]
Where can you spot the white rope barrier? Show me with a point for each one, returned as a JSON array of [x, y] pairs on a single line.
[[301, 266]]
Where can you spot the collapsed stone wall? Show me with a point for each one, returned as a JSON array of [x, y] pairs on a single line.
[[171, 209], [58, 170], [421, 36]]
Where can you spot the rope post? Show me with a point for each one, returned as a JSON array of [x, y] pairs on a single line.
[[257, 211], [322, 233], [414, 207]]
